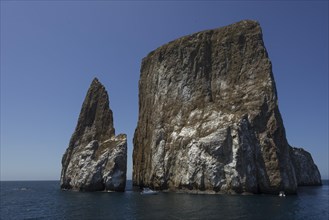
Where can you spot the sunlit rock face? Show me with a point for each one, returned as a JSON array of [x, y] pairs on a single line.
[[209, 118], [96, 159]]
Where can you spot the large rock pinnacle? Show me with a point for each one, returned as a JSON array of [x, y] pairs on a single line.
[[209, 117], [95, 159]]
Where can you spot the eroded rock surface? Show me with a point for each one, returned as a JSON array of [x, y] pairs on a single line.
[[209, 118], [96, 159], [307, 173]]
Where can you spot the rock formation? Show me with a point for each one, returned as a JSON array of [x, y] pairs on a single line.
[[95, 159], [307, 173], [209, 117]]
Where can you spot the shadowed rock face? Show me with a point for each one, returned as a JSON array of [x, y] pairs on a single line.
[[209, 118], [96, 159], [307, 173]]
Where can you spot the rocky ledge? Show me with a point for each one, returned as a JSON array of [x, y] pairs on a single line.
[[95, 159], [209, 117]]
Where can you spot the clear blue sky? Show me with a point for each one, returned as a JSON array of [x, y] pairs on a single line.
[[51, 51]]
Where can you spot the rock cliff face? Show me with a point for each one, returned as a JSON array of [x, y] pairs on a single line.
[[307, 173], [209, 118], [95, 159]]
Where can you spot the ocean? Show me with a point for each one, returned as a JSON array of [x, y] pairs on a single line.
[[45, 200]]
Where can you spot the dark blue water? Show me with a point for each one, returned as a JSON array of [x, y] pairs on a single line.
[[44, 200]]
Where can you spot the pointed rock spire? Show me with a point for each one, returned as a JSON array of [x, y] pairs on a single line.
[[95, 114], [95, 159]]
